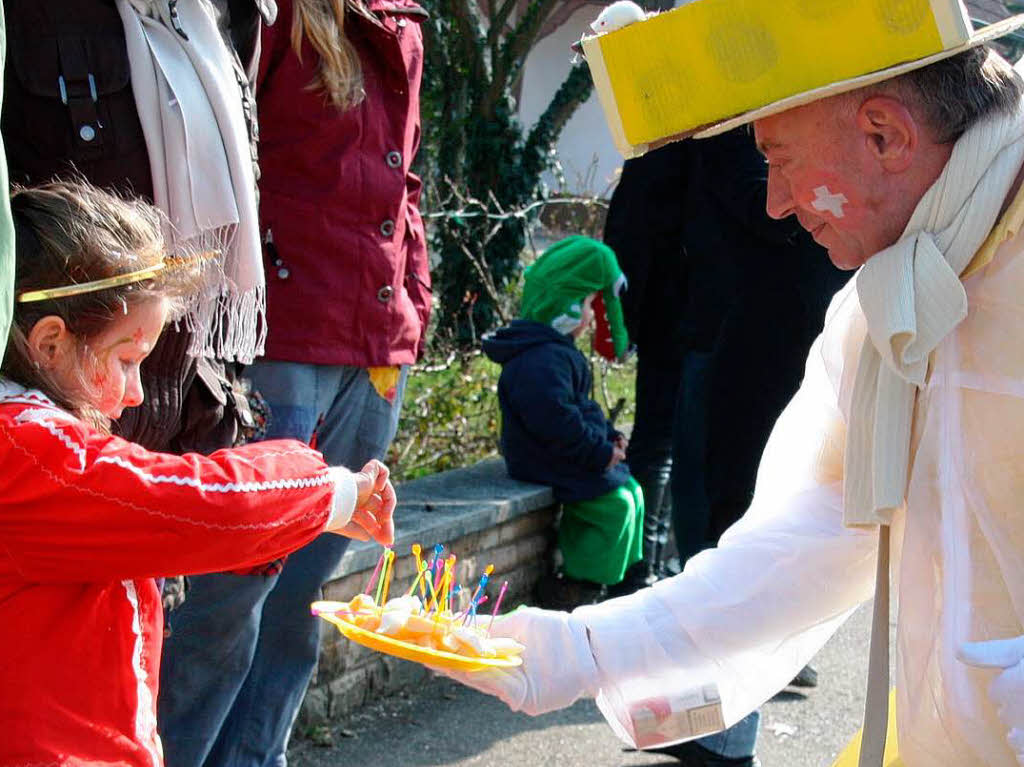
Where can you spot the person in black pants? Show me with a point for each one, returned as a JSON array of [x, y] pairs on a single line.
[[756, 299], [645, 229]]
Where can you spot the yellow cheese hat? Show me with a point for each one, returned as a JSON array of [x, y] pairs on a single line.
[[711, 65]]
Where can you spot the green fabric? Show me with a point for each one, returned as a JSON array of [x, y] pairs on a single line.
[[557, 283], [601, 537], [6, 224]]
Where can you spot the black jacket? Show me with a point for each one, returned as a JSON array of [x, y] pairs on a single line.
[[766, 285], [645, 227], [552, 432], [710, 271]]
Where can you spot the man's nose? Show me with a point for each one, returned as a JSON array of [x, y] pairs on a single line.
[[780, 201]]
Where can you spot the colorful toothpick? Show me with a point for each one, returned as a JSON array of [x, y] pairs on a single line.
[[473, 602], [446, 583], [376, 570], [380, 581], [451, 583], [422, 567], [483, 582], [430, 588], [388, 572], [497, 604]]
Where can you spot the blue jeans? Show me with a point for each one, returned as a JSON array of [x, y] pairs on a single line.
[[243, 648], [738, 742]]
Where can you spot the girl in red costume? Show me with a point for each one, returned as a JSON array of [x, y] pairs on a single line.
[[88, 520]]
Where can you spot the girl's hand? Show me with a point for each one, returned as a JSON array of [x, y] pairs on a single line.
[[375, 506]]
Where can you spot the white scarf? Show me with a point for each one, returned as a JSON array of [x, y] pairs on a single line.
[[912, 298], [190, 106]]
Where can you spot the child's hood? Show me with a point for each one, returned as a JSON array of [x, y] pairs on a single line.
[[558, 282], [519, 335]]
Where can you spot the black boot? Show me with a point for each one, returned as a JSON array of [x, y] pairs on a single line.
[[638, 576], [691, 754], [806, 677], [560, 592]]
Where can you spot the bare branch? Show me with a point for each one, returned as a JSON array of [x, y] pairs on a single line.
[[471, 29], [562, 14], [487, 282], [517, 45]]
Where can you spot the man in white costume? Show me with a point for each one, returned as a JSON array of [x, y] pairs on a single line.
[[911, 414]]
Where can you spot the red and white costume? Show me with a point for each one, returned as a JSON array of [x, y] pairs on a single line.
[[87, 520]]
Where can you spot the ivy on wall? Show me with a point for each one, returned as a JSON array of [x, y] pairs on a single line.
[[483, 172]]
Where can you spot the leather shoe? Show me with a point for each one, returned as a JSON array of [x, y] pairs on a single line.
[[806, 677]]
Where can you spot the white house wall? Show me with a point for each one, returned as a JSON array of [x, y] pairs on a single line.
[[589, 159]]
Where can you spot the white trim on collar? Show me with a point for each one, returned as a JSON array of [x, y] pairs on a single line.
[[15, 392]]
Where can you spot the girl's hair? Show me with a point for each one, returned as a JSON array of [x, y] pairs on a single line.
[[67, 233], [322, 22]]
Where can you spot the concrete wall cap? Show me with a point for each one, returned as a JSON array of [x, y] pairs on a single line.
[[448, 505]]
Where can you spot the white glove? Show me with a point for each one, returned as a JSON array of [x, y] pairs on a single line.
[[558, 666], [1007, 689]]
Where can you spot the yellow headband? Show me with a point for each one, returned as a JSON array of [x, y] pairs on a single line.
[[139, 275], [92, 286]]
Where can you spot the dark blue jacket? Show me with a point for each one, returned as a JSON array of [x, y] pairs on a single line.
[[552, 432]]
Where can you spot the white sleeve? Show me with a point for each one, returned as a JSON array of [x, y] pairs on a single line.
[[345, 496], [698, 652]]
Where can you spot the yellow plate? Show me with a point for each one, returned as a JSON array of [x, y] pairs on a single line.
[[414, 652]]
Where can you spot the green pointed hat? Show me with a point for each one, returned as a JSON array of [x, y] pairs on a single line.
[[565, 274]]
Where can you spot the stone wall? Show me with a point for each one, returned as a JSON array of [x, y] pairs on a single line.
[[484, 518]]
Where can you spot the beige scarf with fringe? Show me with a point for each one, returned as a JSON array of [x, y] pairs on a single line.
[[189, 102]]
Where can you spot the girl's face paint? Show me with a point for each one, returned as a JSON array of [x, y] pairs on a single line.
[[113, 370]]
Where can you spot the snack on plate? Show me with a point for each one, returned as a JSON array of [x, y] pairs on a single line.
[[424, 627]]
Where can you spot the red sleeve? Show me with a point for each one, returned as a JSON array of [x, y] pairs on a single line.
[[77, 504]]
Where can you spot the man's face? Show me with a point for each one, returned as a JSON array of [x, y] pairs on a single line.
[[819, 171]]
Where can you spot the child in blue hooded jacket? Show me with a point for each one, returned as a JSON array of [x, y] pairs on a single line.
[[553, 433]]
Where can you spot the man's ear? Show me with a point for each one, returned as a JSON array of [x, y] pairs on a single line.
[[49, 340], [890, 132]]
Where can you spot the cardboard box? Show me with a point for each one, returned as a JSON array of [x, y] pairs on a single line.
[[676, 72]]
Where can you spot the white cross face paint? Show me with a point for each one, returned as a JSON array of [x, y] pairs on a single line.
[[824, 200]]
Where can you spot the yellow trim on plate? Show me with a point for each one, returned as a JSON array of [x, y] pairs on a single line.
[[414, 652]]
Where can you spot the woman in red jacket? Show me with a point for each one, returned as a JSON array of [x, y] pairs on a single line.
[[348, 300], [88, 520]]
